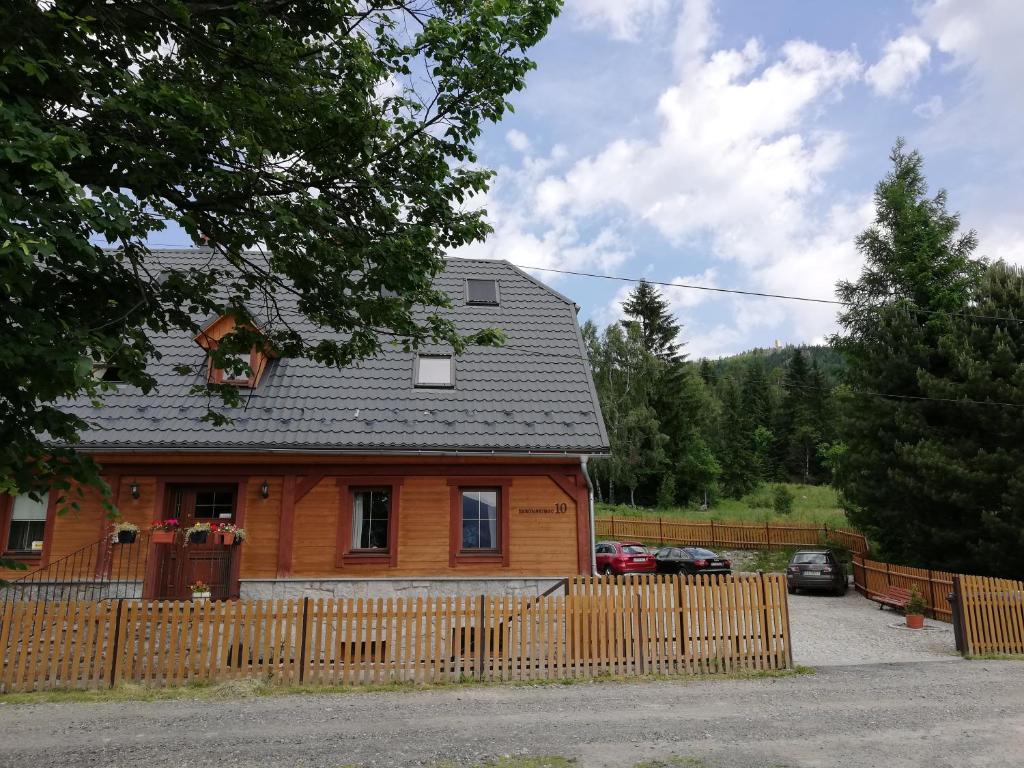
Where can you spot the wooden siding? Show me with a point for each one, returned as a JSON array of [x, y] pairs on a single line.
[[540, 544], [547, 518]]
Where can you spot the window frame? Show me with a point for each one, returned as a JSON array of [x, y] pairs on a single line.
[[348, 487], [416, 370], [497, 292], [499, 555], [37, 559]]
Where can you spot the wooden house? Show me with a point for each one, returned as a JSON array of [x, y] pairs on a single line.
[[412, 470]]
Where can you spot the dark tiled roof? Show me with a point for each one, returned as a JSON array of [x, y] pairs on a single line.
[[533, 395]]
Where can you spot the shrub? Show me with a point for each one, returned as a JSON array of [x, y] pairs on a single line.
[[782, 500], [667, 492], [916, 605]]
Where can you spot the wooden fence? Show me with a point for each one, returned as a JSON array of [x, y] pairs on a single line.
[[991, 615], [737, 535], [627, 627], [873, 579]]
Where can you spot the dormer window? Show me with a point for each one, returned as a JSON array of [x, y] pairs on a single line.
[[108, 373], [209, 339], [482, 292], [434, 371]]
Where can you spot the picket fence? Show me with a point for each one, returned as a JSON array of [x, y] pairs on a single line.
[[873, 578], [738, 535], [991, 615], [630, 626]]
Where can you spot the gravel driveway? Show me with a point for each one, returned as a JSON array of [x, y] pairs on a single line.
[[945, 714], [831, 630]]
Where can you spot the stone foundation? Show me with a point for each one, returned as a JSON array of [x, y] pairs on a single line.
[[262, 589]]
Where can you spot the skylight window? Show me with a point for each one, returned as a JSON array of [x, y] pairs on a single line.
[[434, 371], [482, 292]]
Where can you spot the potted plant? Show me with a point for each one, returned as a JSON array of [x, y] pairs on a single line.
[[125, 533], [915, 609], [200, 590], [198, 533], [164, 530], [228, 534]]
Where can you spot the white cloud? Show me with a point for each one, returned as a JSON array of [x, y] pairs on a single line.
[[623, 19], [518, 140], [900, 65], [982, 39], [931, 109], [732, 158]]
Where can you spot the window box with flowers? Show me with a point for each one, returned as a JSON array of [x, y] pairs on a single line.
[[164, 531], [200, 590], [125, 533], [228, 534], [198, 533]]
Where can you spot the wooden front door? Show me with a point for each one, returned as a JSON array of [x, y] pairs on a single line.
[[182, 564]]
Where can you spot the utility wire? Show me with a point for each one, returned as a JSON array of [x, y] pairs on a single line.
[[758, 294]]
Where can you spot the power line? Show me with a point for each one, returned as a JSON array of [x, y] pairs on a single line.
[[758, 294]]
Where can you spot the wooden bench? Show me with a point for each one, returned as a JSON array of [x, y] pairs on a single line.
[[895, 598]]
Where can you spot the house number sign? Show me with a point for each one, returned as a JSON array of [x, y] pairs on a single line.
[[555, 509]]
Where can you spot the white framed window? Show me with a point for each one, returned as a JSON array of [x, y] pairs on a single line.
[[28, 524], [371, 513], [434, 371]]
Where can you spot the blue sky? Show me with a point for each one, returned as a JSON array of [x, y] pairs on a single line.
[[737, 143]]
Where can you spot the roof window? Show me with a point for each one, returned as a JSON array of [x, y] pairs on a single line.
[[434, 371], [482, 292]]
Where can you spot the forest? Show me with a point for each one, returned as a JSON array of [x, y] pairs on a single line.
[[914, 411]]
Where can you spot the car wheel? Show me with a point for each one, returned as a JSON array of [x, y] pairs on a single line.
[[791, 590], [608, 571]]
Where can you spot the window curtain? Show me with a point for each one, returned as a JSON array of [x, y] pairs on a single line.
[[357, 521]]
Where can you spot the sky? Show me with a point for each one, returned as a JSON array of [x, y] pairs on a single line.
[[737, 144]]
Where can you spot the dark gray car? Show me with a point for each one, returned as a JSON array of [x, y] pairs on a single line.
[[816, 569]]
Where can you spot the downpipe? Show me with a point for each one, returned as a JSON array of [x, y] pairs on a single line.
[[593, 532]]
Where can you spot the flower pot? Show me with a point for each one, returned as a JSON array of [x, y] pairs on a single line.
[[236, 541], [198, 537], [225, 538], [915, 621], [163, 537], [200, 596], [127, 537]]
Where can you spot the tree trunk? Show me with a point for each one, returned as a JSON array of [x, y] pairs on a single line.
[[632, 503]]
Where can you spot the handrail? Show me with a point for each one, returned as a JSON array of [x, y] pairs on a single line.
[[102, 570]]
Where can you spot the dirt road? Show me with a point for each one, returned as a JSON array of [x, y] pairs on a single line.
[[947, 713]]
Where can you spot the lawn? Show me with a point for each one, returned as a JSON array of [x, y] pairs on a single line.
[[811, 504]]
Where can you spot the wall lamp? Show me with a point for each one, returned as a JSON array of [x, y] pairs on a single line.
[[265, 489], [133, 489]]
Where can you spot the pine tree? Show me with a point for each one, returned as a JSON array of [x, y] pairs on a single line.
[[649, 309], [918, 274]]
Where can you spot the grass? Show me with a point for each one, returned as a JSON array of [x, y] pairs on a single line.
[[240, 689], [812, 504]]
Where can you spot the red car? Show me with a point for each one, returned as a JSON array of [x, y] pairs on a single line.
[[615, 558]]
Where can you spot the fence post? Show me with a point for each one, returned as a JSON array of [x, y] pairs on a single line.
[[302, 646], [714, 541], [767, 534], [960, 636], [661, 531], [115, 642], [766, 650], [480, 640], [613, 526], [641, 631]]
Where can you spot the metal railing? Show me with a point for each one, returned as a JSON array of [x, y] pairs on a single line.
[[103, 570]]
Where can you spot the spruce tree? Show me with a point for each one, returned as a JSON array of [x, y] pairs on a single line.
[[918, 274], [649, 309]]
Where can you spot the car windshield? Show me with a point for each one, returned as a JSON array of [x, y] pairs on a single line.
[[701, 553], [811, 558], [634, 549]]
